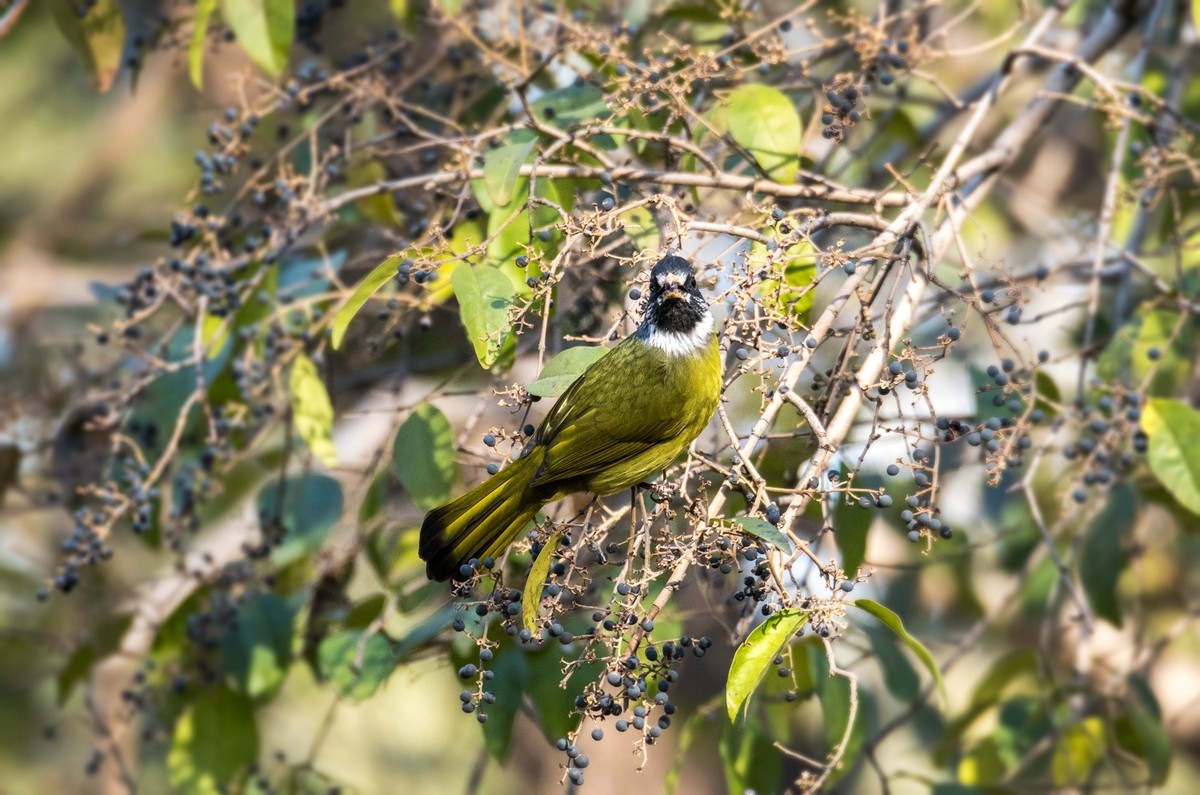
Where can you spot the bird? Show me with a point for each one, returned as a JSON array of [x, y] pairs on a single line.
[[625, 418]]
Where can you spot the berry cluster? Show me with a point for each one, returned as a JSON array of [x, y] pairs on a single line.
[[840, 112]]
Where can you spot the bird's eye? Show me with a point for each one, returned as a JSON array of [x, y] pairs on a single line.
[[691, 281]]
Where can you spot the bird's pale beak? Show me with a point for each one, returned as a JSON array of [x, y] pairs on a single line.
[[673, 287]]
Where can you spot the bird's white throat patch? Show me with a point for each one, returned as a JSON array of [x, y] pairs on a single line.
[[682, 343]]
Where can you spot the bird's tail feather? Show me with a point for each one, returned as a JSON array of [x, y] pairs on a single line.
[[482, 522]]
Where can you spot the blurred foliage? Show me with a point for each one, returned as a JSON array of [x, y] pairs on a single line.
[[415, 223]]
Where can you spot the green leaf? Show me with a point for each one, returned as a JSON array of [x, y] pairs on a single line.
[[312, 411], [264, 29], [204, 10], [214, 739], [1077, 751], [366, 611], [502, 166], [986, 693], [512, 677], [1048, 394], [1127, 357], [78, 666], [851, 525], [106, 637], [307, 506], [421, 637], [756, 656], [532, 596], [98, 37], [687, 735], [378, 206], [484, 296], [893, 622], [10, 467], [371, 507], [355, 667], [1101, 560], [761, 528], [515, 229], [835, 704], [556, 705], [575, 104], [764, 121], [1173, 427], [752, 762], [561, 371], [257, 650], [423, 455], [1140, 731], [376, 279], [898, 674]]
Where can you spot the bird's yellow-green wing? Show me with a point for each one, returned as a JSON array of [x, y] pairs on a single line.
[[618, 409]]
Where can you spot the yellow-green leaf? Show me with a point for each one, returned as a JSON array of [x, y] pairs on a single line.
[[756, 656], [370, 285], [98, 37], [893, 622], [641, 228], [214, 739], [1174, 457], [1079, 748], [200, 20], [312, 411], [465, 236], [514, 232], [764, 121], [532, 597], [379, 206], [406, 12], [790, 290], [484, 295], [264, 29], [561, 371]]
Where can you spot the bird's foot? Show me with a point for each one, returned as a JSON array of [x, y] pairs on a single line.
[[663, 491]]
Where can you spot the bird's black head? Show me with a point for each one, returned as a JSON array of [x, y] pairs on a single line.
[[675, 302]]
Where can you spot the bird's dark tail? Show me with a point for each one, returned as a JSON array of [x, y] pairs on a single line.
[[482, 522]]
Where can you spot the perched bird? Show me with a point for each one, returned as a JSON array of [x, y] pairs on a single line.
[[625, 418]]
